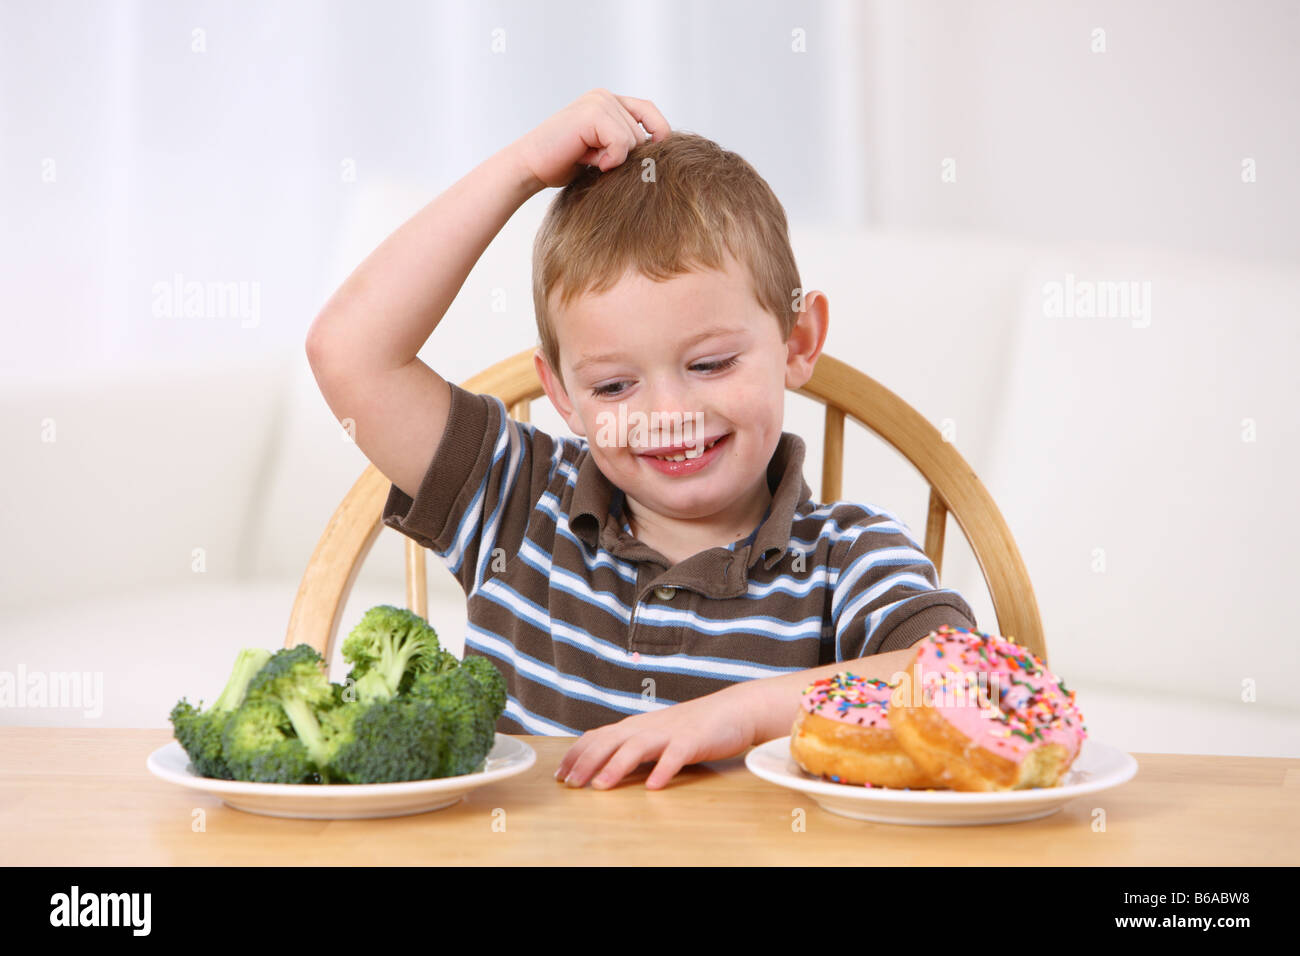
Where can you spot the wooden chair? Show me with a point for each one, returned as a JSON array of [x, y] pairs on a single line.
[[846, 393]]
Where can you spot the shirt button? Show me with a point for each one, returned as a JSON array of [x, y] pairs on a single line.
[[665, 593]]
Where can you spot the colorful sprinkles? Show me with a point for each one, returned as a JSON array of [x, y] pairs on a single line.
[[847, 697], [1035, 704]]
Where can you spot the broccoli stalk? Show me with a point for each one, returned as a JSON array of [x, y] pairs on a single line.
[[372, 686], [293, 679], [200, 731], [249, 661], [260, 746]]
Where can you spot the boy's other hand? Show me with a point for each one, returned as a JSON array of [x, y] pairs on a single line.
[[712, 727], [596, 129]]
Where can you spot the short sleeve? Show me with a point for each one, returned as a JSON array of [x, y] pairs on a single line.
[[478, 492], [886, 595]]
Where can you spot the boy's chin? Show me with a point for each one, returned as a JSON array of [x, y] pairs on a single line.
[[700, 502], [700, 497]]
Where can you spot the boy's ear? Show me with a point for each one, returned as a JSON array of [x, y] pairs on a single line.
[[553, 385], [807, 339]]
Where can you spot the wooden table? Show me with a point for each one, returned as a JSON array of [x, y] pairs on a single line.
[[82, 797]]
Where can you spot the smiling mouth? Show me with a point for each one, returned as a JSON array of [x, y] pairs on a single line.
[[687, 454]]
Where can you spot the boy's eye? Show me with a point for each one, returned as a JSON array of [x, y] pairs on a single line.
[[717, 366], [618, 386]]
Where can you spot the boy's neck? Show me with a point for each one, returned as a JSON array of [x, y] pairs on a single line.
[[678, 540]]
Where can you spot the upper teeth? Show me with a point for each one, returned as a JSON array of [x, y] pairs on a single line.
[[689, 453]]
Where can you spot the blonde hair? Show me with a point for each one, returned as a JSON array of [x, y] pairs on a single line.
[[703, 202]]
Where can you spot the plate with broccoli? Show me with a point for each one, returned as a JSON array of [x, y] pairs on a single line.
[[411, 729]]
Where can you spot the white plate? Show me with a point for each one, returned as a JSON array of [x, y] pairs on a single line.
[[344, 801], [1097, 768]]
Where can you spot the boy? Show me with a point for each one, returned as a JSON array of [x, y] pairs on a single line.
[[666, 610]]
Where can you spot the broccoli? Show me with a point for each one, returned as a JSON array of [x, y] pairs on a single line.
[[293, 679], [417, 713], [398, 738], [388, 649], [468, 700], [443, 727], [493, 684], [260, 745], [200, 731]]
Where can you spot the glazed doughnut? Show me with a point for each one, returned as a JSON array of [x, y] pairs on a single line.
[[1020, 729], [842, 732]]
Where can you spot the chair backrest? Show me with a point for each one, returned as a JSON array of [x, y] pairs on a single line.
[[846, 393]]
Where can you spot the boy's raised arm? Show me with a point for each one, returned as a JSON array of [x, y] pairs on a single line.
[[363, 346]]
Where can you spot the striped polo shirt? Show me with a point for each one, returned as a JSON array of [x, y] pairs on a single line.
[[590, 625]]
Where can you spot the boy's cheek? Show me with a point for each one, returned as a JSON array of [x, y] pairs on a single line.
[[756, 395]]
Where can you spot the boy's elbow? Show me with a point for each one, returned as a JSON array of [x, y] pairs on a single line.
[[317, 347]]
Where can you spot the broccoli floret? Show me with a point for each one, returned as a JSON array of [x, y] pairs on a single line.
[[389, 649], [200, 731], [492, 682], [260, 745], [293, 679], [466, 701], [397, 738]]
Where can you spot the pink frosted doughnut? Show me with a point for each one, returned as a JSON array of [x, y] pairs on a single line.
[[980, 712], [842, 732]]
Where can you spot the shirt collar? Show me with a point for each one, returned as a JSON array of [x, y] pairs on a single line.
[[594, 524]]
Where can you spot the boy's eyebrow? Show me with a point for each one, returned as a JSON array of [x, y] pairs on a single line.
[[700, 336]]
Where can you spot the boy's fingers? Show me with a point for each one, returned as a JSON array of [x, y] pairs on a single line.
[[618, 143], [600, 137], [634, 752], [571, 757], [620, 137], [618, 113], [607, 129], [645, 112], [673, 759], [635, 136], [590, 758]]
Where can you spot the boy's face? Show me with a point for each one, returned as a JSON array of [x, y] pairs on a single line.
[[641, 345]]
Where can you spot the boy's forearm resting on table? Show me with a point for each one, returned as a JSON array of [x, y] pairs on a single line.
[[774, 701]]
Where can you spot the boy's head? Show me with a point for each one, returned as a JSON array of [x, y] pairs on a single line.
[[631, 266]]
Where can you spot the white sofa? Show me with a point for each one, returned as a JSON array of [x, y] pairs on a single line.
[[169, 521]]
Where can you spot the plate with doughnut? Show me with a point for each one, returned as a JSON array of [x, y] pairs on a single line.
[[977, 730]]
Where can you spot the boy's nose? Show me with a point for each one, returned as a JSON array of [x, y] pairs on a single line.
[[668, 402], [674, 427]]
